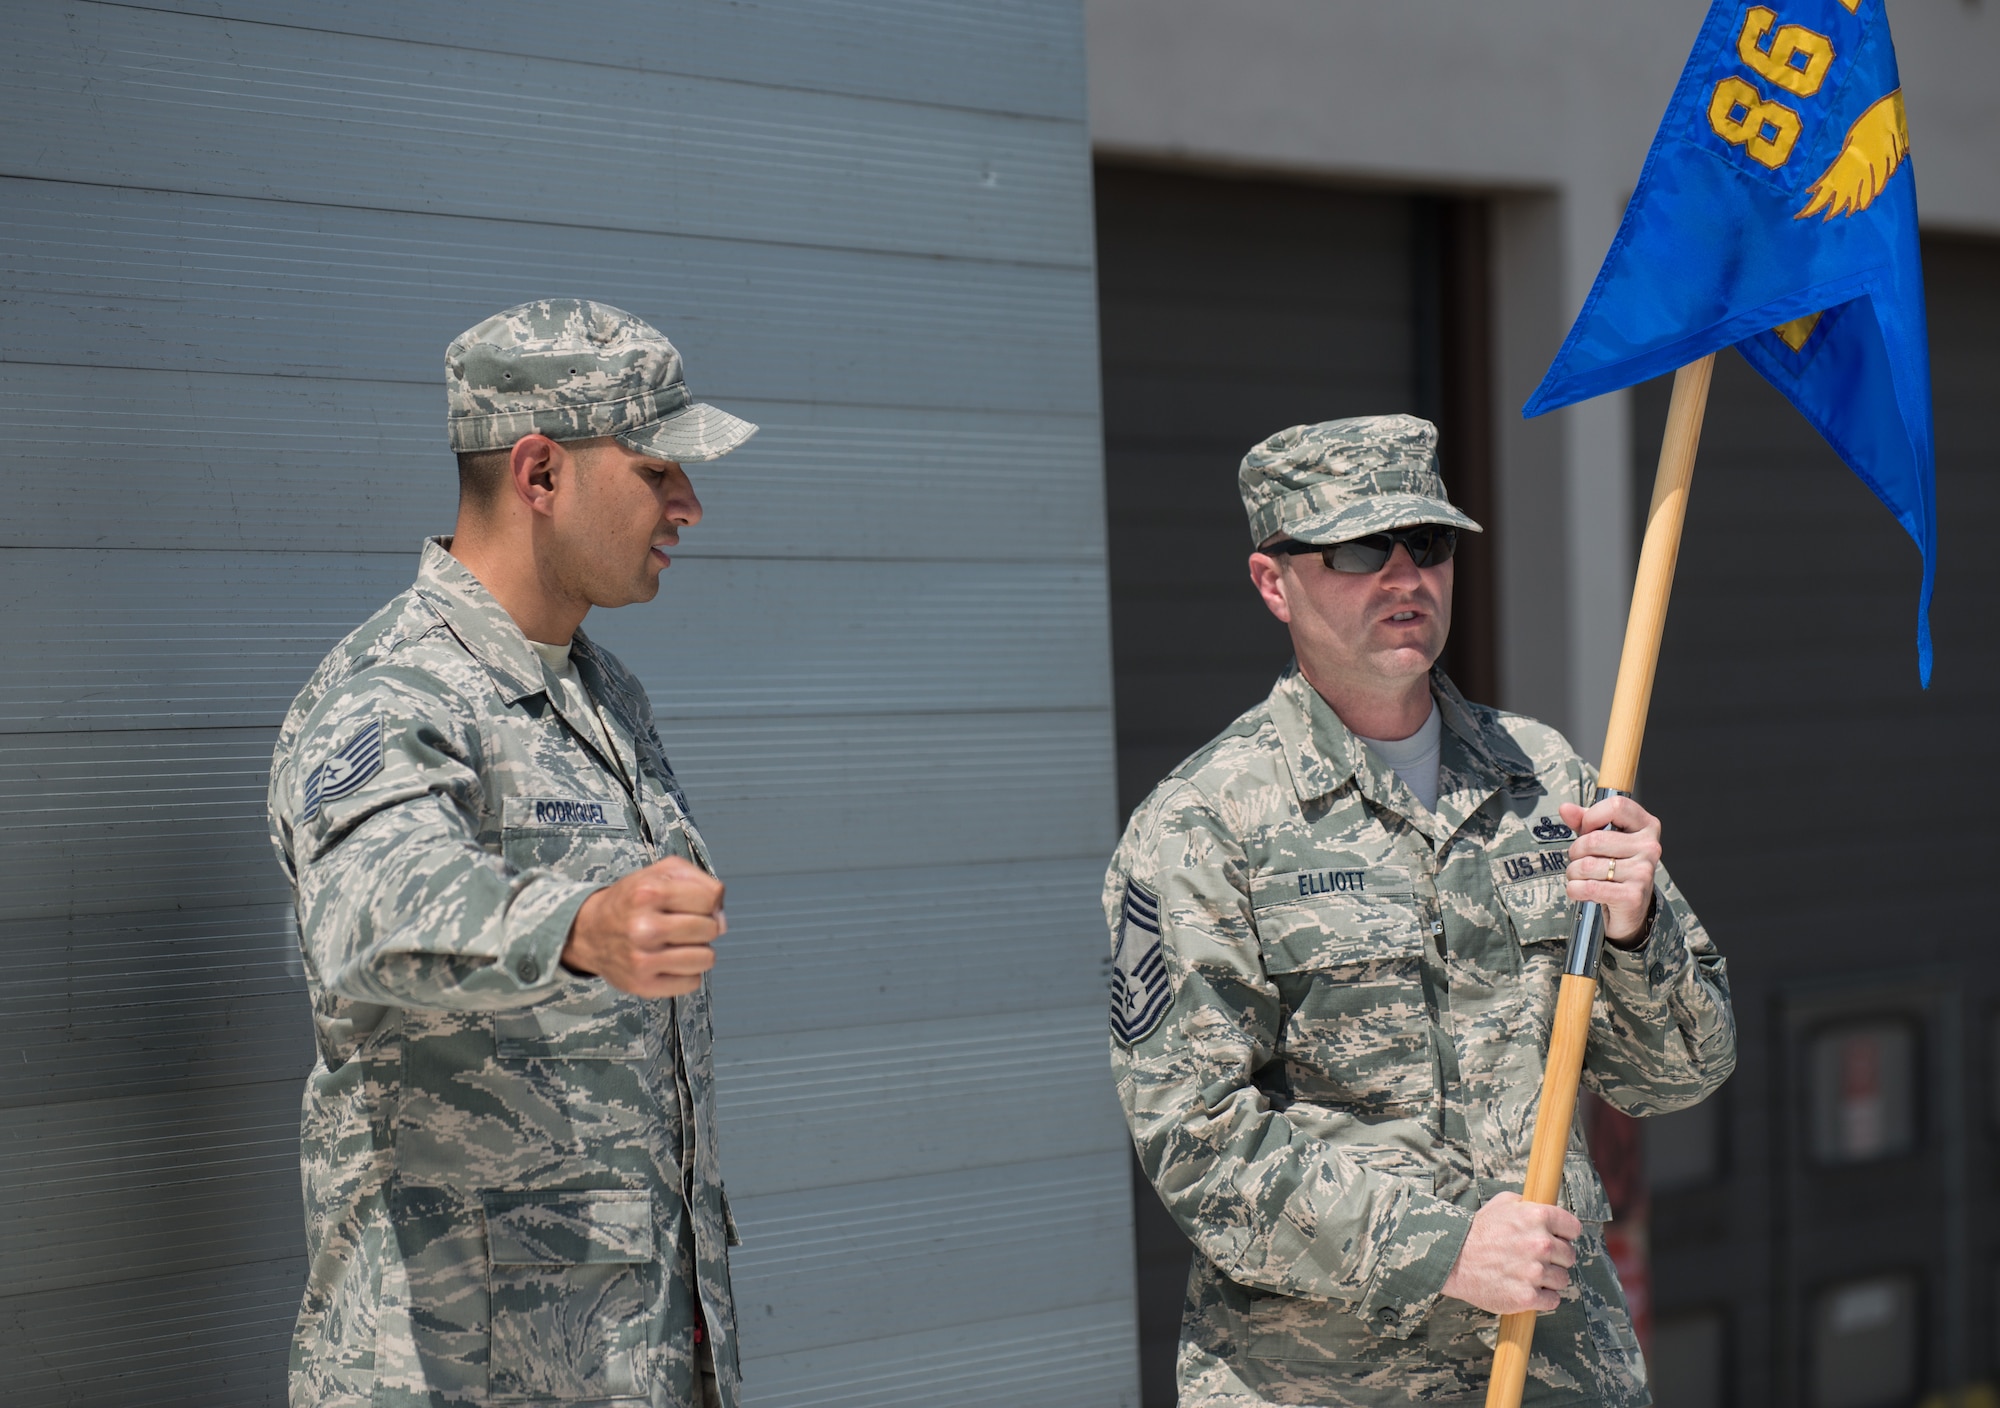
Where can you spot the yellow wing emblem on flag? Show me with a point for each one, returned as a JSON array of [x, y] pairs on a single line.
[[1876, 145], [1795, 333]]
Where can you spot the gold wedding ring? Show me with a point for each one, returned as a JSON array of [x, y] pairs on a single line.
[[1611, 875]]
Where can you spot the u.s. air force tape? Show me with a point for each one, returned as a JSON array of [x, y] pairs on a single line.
[[1139, 990], [356, 762]]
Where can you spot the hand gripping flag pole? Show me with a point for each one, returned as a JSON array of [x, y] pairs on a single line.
[[1641, 655], [1776, 213]]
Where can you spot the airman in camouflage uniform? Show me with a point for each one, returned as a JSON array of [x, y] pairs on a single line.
[[1331, 1001], [510, 1171]]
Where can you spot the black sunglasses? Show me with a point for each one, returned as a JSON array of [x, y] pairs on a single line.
[[1428, 545]]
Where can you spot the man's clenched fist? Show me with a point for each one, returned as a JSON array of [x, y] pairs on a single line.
[[1516, 1257], [650, 933]]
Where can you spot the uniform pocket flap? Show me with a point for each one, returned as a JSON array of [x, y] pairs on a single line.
[[570, 1229], [1339, 917], [599, 1025], [1582, 1191], [1335, 917]]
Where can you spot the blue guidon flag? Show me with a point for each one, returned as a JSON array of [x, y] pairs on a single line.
[[1139, 990], [1777, 213], [345, 771]]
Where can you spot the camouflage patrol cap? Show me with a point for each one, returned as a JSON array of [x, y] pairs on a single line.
[[1344, 479], [571, 369]]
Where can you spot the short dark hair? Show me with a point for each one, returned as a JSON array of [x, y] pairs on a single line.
[[481, 475]]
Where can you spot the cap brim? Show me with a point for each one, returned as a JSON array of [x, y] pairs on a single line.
[[1375, 515], [690, 436]]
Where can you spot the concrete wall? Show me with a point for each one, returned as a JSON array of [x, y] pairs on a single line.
[[1549, 105]]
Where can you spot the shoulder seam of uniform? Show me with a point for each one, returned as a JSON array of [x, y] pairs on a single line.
[[384, 653], [1172, 786], [1243, 727]]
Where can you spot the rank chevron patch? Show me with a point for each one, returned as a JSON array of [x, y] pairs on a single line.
[[1139, 991], [345, 771]]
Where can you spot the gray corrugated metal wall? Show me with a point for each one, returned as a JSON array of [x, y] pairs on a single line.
[[237, 235]]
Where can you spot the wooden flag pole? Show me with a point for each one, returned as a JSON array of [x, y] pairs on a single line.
[[1620, 770]]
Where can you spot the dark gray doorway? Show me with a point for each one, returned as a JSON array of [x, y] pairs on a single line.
[[1841, 1241], [1229, 309]]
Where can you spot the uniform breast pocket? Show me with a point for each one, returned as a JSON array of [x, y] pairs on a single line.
[[1534, 891], [1348, 963], [581, 1077], [579, 838], [1583, 1191], [574, 1285]]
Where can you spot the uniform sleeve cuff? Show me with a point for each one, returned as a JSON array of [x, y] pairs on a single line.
[[534, 952], [1657, 963], [1418, 1255]]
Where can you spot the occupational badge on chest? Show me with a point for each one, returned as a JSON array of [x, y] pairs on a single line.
[[1139, 991], [1550, 831]]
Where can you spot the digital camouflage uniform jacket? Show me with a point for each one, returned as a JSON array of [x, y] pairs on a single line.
[[511, 1181], [1330, 1010]]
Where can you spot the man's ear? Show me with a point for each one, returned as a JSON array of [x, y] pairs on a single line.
[[1269, 579], [536, 466]]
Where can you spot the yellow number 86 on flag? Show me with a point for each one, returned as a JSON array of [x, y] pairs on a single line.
[[1796, 61]]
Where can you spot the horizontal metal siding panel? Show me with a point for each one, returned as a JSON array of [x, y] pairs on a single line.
[[168, 1340], [817, 1268], [97, 1008], [809, 794], [1076, 1357], [242, 372], [737, 639], [361, 466], [147, 639], [177, 640], [113, 1190], [153, 1002], [806, 952], [417, 128], [754, 639], [99, 276], [833, 1108], [1024, 56], [120, 823], [138, 821], [155, 1342], [223, 1336]]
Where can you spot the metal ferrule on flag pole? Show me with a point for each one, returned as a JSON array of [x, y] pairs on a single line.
[[1586, 944], [1570, 1034]]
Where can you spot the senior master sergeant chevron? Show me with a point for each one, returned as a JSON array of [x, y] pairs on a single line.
[[1338, 931], [509, 1160]]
